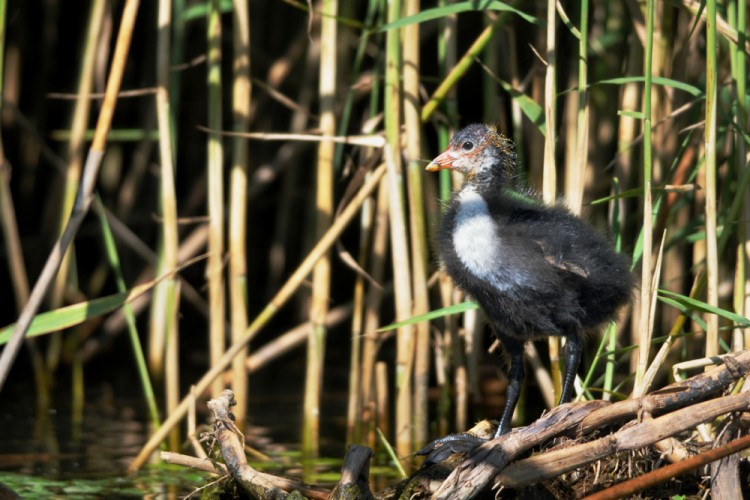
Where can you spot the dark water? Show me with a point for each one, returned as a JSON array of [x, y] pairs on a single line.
[[50, 443], [50, 454]]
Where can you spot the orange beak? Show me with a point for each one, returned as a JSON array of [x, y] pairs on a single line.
[[444, 160]]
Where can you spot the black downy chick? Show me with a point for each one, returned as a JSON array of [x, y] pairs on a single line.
[[535, 270]]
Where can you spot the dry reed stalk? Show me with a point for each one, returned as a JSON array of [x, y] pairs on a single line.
[[645, 313], [83, 201], [549, 181], [241, 89], [402, 285], [709, 182], [418, 226], [549, 178], [699, 281], [172, 361], [215, 165], [399, 235], [321, 285], [164, 333], [167, 259]]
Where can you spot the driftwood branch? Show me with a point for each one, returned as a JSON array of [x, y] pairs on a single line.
[[231, 442], [203, 464], [354, 483]]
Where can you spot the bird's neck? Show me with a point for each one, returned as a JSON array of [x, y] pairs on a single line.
[[486, 183]]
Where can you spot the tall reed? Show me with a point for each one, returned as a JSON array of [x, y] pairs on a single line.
[[323, 215], [549, 178], [645, 313], [238, 221], [418, 224], [215, 197], [712, 255], [738, 17], [399, 239], [164, 313]]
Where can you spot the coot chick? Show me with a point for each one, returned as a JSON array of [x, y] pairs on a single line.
[[535, 270]]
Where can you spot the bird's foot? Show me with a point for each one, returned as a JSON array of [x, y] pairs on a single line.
[[441, 449]]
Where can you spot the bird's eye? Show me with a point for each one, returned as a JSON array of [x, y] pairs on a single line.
[[467, 146]]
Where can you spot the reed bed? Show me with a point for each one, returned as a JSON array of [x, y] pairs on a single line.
[[257, 165]]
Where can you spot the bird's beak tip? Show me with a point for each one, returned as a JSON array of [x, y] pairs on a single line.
[[440, 162]]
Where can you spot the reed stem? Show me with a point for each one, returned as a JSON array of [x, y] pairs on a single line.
[[647, 231], [241, 93], [215, 165], [549, 179], [164, 313], [712, 255], [323, 216], [418, 225]]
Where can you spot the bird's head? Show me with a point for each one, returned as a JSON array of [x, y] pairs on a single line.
[[479, 152]]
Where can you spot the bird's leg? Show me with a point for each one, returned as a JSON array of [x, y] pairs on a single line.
[[516, 375], [572, 353], [442, 448]]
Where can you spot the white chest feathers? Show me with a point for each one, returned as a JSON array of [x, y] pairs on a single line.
[[475, 236]]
